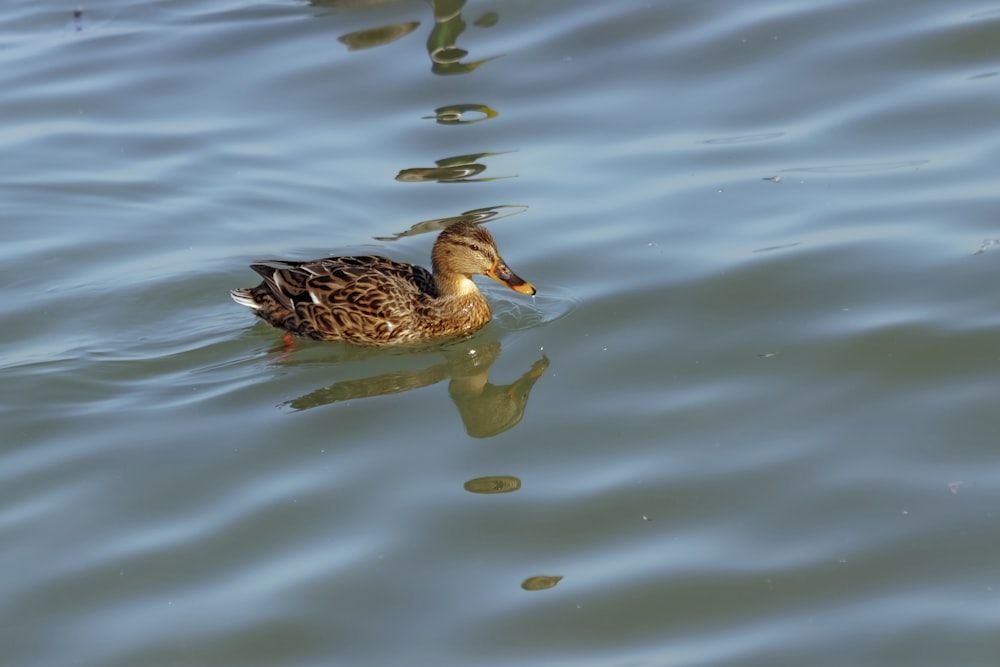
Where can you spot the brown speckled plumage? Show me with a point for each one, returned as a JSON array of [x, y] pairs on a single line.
[[372, 300]]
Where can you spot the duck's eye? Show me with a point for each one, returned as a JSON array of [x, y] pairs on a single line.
[[474, 247]]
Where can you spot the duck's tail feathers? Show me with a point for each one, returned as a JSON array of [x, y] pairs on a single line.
[[244, 296]]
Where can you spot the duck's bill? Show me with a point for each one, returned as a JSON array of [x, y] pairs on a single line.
[[505, 276]]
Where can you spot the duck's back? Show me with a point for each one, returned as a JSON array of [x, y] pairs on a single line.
[[363, 299]]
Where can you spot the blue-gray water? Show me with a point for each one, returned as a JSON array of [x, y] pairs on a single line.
[[751, 418]]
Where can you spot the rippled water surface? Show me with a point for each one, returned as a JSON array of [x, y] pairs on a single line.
[[750, 418]]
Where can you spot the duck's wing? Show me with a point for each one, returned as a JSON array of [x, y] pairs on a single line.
[[366, 299], [339, 279]]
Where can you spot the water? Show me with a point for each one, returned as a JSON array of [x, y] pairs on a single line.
[[750, 418]]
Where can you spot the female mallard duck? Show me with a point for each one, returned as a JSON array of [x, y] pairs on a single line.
[[375, 301]]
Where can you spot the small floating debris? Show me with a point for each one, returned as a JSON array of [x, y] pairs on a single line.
[[954, 486], [767, 355], [987, 244], [773, 179], [493, 484], [540, 582]]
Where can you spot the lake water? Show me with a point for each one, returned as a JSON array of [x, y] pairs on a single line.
[[750, 419]]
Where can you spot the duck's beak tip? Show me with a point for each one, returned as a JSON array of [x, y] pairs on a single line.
[[505, 276], [523, 288]]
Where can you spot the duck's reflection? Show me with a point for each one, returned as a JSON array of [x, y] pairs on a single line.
[[486, 409]]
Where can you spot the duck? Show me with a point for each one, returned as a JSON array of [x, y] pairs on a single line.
[[372, 300]]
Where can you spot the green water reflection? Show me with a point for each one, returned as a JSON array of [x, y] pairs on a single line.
[[442, 43], [476, 215], [462, 114], [372, 37], [457, 169]]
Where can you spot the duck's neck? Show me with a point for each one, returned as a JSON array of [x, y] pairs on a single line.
[[455, 285], [462, 300]]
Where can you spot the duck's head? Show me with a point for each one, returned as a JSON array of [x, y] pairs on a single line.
[[466, 249]]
